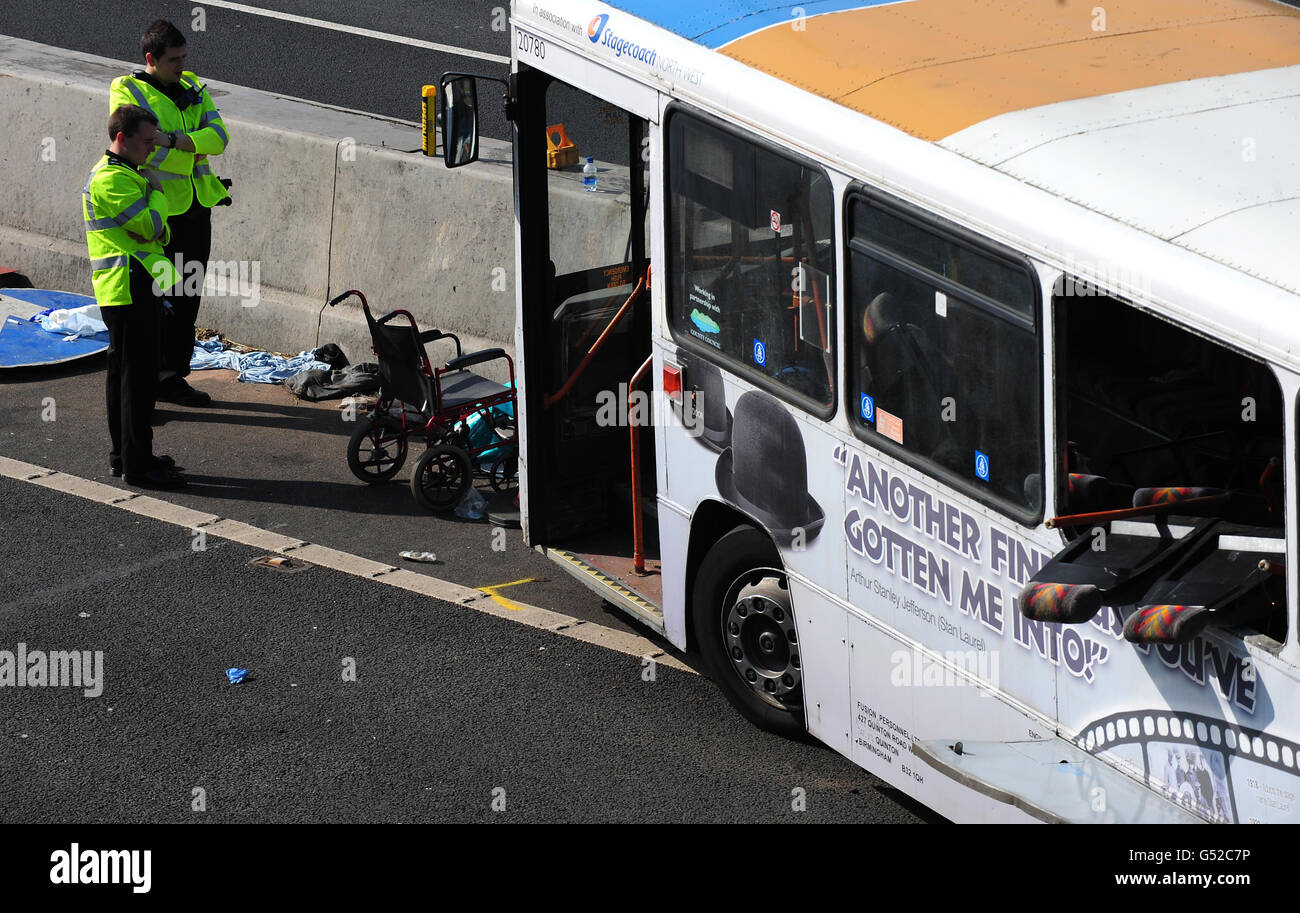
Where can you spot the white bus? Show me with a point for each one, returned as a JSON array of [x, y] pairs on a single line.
[[930, 368]]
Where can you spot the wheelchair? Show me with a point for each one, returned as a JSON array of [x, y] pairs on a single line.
[[467, 421]]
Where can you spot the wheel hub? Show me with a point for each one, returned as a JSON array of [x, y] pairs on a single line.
[[758, 630]]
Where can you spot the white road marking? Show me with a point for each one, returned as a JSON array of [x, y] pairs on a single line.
[[355, 30], [344, 562]]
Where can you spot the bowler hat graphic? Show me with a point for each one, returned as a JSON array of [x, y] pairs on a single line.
[[704, 376], [765, 470]]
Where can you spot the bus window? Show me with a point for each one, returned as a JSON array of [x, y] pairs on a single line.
[[1147, 405], [944, 354], [593, 230], [751, 259]]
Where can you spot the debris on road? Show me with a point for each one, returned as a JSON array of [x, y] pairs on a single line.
[[471, 505], [253, 366], [281, 563], [316, 384]]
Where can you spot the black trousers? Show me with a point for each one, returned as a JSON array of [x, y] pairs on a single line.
[[191, 238], [133, 372]]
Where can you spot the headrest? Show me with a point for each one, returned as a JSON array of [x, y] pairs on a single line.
[[1145, 497], [882, 314]]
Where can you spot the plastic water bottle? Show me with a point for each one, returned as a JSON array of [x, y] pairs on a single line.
[[589, 174]]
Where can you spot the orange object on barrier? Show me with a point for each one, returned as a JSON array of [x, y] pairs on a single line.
[[560, 151]]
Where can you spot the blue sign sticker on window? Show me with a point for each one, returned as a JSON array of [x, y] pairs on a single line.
[[868, 408], [760, 352], [981, 466]]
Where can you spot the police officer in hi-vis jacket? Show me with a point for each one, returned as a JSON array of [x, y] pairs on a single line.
[[191, 131], [126, 227]]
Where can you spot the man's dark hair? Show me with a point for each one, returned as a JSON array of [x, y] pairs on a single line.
[[127, 119], [159, 37]]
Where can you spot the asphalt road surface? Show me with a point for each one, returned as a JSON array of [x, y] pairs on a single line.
[[448, 706]]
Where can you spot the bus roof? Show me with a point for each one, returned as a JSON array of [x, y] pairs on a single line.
[[1176, 117], [933, 67]]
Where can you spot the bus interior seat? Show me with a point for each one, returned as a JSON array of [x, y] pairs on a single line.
[[1214, 586], [895, 349], [1080, 579], [1177, 586], [1157, 406]]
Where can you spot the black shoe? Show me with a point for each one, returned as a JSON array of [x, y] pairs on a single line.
[[157, 478], [177, 390], [161, 461]]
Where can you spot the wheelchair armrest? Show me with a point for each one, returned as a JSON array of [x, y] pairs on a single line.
[[429, 336], [475, 358]]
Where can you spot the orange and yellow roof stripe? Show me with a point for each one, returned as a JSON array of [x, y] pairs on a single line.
[[934, 67]]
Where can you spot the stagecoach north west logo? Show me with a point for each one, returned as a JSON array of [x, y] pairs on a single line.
[[599, 32]]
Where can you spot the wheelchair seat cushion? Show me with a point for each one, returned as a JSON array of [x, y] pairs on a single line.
[[460, 388]]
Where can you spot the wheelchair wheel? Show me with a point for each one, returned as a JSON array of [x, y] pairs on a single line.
[[377, 450], [442, 476], [504, 473]]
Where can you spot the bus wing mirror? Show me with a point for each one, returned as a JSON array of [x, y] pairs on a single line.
[[459, 96]]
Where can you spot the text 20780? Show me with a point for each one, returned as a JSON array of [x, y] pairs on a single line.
[[531, 44]]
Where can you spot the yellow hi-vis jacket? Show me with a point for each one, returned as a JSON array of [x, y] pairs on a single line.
[[125, 218], [183, 175]]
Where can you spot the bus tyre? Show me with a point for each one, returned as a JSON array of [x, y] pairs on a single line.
[[377, 450], [743, 622]]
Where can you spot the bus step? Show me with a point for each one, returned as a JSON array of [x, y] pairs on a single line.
[[612, 583]]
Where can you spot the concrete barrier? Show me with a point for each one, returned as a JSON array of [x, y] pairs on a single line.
[[45, 158], [325, 199], [413, 234]]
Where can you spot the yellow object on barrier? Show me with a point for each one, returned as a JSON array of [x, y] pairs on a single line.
[[428, 120]]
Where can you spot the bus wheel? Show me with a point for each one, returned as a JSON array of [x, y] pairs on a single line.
[[744, 625]]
